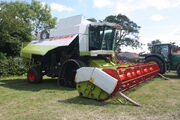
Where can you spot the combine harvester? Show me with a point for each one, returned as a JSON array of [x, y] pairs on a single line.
[[80, 53]]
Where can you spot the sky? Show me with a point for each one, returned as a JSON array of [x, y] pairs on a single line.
[[159, 19]]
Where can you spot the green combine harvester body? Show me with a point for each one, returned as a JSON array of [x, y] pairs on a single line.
[[80, 53]]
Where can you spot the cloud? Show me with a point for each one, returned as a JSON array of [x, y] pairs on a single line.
[[172, 36], [176, 31], [59, 7], [101, 3], [128, 6], [157, 17], [125, 6]]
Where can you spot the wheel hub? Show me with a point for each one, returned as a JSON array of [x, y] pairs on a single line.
[[31, 76]]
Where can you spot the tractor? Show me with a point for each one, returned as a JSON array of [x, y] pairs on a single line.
[[80, 53], [167, 56]]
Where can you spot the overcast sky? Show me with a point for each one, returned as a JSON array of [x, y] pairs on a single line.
[[159, 19]]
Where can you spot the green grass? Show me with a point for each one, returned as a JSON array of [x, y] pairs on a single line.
[[19, 100]]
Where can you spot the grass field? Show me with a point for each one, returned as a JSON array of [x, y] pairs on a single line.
[[19, 100]]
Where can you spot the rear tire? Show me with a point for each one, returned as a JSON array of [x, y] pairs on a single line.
[[34, 75], [68, 73], [158, 61], [44, 34], [178, 70]]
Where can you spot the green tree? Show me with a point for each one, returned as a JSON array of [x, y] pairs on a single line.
[[18, 20], [14, 28], [41, 16], [128, 35], [157, 41]]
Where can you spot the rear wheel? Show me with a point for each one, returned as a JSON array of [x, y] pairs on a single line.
[[44, 34], [158, 61], [34, 75], [68, 72], [178, 70]]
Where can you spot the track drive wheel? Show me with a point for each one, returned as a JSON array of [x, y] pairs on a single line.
[[34, 75], [158, 61], [178, 70], [68, 72]]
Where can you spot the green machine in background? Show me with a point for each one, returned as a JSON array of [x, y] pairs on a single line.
[[167, 56]]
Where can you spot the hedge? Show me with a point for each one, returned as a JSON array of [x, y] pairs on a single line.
[[12, 66]]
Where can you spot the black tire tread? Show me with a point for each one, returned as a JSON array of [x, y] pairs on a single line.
[[178, 70], [44, 32], [64, 71], [158, 61]]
